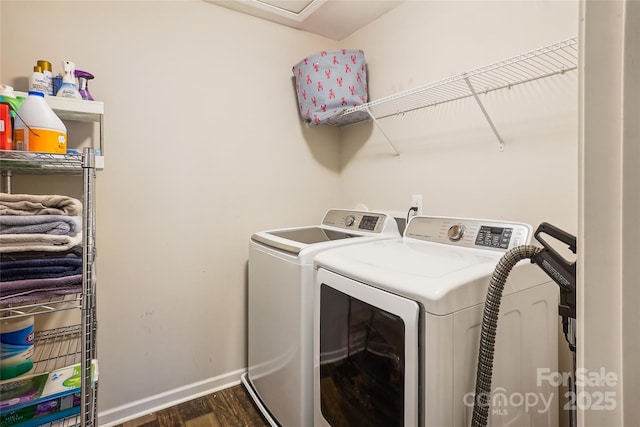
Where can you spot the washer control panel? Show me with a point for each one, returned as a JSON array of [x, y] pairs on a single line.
[[364, 221], [473, 233], [494, 237]]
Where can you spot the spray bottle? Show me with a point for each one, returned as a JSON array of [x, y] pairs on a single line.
[[83, 79], [69, 89]]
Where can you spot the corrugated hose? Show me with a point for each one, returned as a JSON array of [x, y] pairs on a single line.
[[489, 326]]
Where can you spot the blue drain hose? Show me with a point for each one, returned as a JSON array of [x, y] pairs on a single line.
[[489, 327]]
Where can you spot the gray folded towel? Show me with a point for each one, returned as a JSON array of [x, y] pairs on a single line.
[[44, 224], [21, 291], [30, 204]]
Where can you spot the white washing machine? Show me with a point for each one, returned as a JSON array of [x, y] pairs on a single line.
[[397, 329], [279, 376]]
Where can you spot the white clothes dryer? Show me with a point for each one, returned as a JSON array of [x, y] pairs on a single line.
[[280, 364], [397, 325]]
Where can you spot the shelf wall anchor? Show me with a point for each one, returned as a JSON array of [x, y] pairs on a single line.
[[486, 115], [375, 121]]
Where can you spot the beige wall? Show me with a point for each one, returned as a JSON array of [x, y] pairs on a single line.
[[204, 147], [449, 153]]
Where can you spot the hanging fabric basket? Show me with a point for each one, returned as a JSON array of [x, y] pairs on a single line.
[[330, 82]]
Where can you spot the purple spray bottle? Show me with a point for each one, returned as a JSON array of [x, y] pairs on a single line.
[[83, 87]]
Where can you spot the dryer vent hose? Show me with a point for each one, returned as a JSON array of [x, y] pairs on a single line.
[[489, 326]]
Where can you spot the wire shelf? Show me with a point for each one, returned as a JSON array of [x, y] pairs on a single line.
[[27, 162], [62, 303], [56, 348], [557, 58], [67, 422], [68, 345]]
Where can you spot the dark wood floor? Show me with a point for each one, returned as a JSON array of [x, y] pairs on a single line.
[[231, 407]]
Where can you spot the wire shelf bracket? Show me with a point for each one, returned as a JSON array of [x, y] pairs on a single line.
[[486, 115], [381, 129]]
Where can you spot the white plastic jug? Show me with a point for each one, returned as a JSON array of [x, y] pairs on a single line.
[[38, 128]]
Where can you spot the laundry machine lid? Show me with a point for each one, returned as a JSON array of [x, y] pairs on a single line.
[[308, 235], [442, 277], [337, 226]]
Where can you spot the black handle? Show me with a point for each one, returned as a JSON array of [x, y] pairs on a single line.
[[559, 234], [562, 272]]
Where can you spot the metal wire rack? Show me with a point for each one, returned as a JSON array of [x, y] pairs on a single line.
[[554, 59], [26, 162], [56, 348], [66, 302], [66, 346]]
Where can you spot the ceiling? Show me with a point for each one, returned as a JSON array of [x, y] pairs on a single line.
[[334, 19]]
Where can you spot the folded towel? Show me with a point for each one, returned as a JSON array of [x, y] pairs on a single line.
[[44, 224], [21, 291], [39, 295], [39, 268], [37, 242], [74, 252], [8, 289], [29, 204]]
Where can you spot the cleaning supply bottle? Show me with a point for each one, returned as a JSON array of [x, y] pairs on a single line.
[[6, 129], [57, 83], [48, 75], [37, 81], [9, 99], [83, 83], [38, 128], [16, 346], [69, 89]]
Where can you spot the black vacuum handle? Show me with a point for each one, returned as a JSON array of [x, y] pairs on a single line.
[[562, 272], [557, 233]]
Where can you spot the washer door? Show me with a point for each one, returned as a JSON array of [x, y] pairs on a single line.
[[366, 355]]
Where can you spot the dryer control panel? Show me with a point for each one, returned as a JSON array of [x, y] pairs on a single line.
[[472, 233], [364, 221]]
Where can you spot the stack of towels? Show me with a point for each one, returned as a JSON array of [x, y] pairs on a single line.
[[40, 247]]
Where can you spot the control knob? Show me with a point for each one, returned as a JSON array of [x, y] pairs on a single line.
[[349, 220], [456, 232]]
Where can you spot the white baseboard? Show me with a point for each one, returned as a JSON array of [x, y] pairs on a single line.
[[139, 408]]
